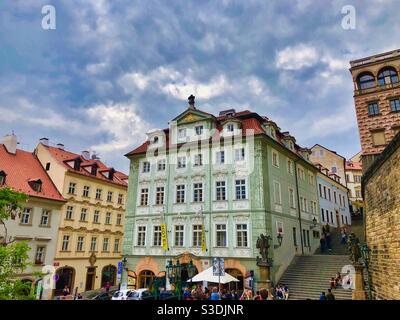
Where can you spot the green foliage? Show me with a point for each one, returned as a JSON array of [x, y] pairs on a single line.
[[13, 255]]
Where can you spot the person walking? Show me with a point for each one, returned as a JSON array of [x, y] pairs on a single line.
[[107, 286], [330, 295], [344, 237], [215, 294], [322, 296]]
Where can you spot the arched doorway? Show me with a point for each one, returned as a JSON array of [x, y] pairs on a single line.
[[109, 274], [145, 279], [65, 277], [238, 286], [184, 272]]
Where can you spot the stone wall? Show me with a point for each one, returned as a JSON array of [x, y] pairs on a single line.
[[381, 189]]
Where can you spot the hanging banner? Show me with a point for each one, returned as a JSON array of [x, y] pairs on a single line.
[[203, 239], [164, 236]]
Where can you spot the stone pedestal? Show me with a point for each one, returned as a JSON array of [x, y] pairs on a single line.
[[359, 292], [265, 277]]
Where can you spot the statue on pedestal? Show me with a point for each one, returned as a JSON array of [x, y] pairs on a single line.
[[263, 245]]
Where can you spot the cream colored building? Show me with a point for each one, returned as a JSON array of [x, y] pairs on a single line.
[[90, 235], [353, 179]]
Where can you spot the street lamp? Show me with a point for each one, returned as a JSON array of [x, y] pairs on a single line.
[[191, 269], [174, 276], [314, 221], [365, 256], [280, 238]]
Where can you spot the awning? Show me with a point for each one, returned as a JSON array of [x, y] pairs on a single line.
[[207, 275]]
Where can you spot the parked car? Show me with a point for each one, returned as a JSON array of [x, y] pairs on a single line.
[[140, 294], [121, 294], [168, 295]]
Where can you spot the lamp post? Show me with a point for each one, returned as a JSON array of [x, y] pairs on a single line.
[[191, 269], [175, 277], [365, 257], [280, 238]]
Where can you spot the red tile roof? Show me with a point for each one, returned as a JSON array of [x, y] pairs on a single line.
[[353, 165], [248, 119], [24, 167], [63, 156]]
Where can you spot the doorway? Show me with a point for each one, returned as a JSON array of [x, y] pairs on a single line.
[[90, 278]]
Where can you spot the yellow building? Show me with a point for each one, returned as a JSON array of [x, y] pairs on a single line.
[[90, 235]]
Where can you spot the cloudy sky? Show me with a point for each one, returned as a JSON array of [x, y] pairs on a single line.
[[112, 70]]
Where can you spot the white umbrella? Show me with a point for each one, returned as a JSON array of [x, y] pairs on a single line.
[[207, 275]]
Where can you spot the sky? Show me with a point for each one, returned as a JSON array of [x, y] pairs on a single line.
[[112, 70]]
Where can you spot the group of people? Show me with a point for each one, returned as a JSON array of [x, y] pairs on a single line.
[[280, 292]]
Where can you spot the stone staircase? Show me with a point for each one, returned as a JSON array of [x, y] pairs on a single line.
[[309, 275]]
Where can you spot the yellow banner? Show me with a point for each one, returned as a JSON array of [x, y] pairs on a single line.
[[203, 239], [164, 236]]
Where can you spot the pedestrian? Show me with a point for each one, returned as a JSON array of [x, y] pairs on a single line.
[[344, 237], [338, 279], [186, 294], [322, 296], [330, 295], [66, 291], [107, 286], [257, 296], [264, 294], [328, 241], [322, 243], [214, 294], [332, 283]]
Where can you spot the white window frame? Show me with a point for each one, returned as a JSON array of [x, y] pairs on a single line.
[[198, 160], [182, 133], [145, 196], [240, 154], [96, 216], [201, 127], [289, 164], [138, 232], [66, 240], [184, 193], [156, 194], [181, 162], [292, 198], [48, 212], [93, 248], [199, 235], [247, 234], [69, 213], [226, 235], [162, 163], [224, 188], [183, 235], [275, 153], [280, 192], [219, 156], [146, 167], [80, 245], [279, 226], [200, 190], [246, 188], [42, 253], [153, 235]]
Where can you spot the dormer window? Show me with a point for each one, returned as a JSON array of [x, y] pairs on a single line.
[[94, 168], [36, 184], [77, 164], [155, 140], [182, 133], [2, 178], [199, 130], [230, 127]]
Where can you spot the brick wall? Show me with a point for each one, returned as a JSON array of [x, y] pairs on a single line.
[[382, 198]]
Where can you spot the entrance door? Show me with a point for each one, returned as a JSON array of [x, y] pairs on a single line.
[[90, 278]]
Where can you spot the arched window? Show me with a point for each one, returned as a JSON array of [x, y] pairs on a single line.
[[387, 76], [238, 286], [146, 278], [366, 80], [65, 278]]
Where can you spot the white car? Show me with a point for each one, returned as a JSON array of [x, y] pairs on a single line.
[[140, 294], [121, 294]]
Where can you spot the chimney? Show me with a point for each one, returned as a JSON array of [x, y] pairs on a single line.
[[191, 101], [44, 141], [86, 155], [10, 142], [60, 146]]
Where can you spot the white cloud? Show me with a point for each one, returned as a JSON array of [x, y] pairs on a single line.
[[297, 57], [120, 122]]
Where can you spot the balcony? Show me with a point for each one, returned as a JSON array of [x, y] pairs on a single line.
[[376, 88]]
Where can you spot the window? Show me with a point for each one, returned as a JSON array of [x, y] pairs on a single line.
[[109, 196], [179, 233], [141, 236], [182, 133], [45, 218], [197, 192], [333, 169], [239, 154], [292, 200], [275, 159], [159, 195], [357, 178], [79, 243], [378, 138], [72, 188], [105, 245], [294, 237], [98, 194], [358, 193], [308, 238], [119, 219], [47, 166], [277, 193], [146, 167], [116, 245], [331, 216], [311, 179], [329, 194], [120, 198], [373, 108], [65, 243], [220, 190], [241, 235], [198, 160], [2, 178], [155, 140], [93, 244], [180, 193], [346, 220], [324, 192], [157, 236], [86, 191], [144, 197], [366, 81], [26, 216], [181, 162], [395, 105], [220, 235], [83, 214], [69, 213], [305, 206], [96, 216], [161, 165], [347, 177], [108, 218], [387, 76], [220, 157], [40, 253], [240, 188], [320, 190], [197, 233], [334, 196], [199, 130], [230, 127], [290, 166], [322, 215]]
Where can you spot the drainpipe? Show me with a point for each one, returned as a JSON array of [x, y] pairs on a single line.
[[298, 206]]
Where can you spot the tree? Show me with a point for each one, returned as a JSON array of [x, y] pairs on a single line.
[[13, 255]]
